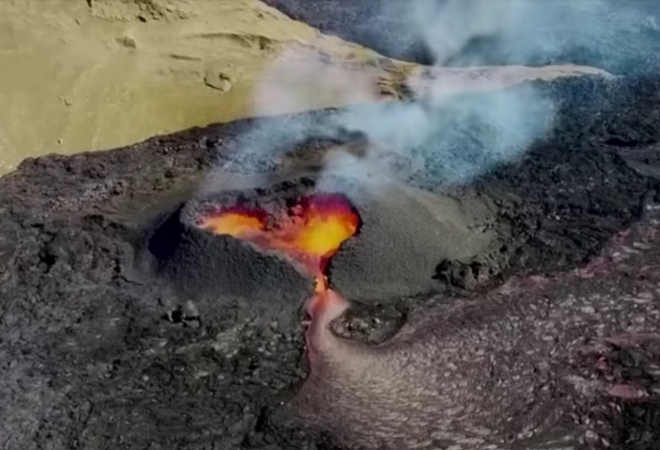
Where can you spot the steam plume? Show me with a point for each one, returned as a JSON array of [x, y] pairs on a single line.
[[456, 137]]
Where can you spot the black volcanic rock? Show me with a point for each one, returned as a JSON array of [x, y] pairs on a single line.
[[199, 263], [97, 352]]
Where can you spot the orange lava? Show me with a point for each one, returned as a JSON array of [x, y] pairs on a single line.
[[310, 231]]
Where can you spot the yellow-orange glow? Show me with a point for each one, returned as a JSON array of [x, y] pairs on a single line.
[[310, 231], [320, 283], [324, 231], [234, 223]]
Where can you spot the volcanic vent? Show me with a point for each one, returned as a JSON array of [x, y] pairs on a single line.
[[274, 243], [309, 230]]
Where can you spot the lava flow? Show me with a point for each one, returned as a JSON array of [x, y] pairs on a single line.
[[310, 231]]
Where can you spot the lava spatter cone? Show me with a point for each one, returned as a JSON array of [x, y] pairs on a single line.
[[310, 230], [265, 243]]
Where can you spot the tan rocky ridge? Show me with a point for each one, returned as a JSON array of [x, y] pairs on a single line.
[[83, 75]]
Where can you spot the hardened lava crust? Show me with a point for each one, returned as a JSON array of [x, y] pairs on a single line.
[[99, 350], [198, 264]]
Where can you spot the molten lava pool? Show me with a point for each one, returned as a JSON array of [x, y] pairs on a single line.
[[310, 231]]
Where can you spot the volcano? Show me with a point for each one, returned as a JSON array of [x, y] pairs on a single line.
[[310, 231], [279, 241], [143, 307]]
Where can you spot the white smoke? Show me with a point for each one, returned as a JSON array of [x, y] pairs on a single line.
[[527, 28], [455, 136], [301, 78], [446, 27]]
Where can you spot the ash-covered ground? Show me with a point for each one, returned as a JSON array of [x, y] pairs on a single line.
[[100, 349]]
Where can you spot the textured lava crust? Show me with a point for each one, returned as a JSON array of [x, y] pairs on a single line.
[[99, 352]]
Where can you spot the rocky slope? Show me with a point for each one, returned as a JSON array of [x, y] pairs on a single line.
[[105, 344], [87, 75], [100, 349]]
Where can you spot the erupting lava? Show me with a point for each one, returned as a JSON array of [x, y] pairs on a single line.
[[310, 231]]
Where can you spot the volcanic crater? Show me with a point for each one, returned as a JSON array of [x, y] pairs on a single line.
[[274, 243], [94, 274]]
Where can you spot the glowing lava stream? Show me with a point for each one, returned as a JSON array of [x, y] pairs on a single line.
[[310, 231]]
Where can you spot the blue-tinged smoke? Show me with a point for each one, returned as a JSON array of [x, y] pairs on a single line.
[[458, 137]]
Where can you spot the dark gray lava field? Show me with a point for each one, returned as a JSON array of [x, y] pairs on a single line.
[[123, 326]]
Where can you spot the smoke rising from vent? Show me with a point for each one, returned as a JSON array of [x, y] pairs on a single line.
[[472, 32], [447, 130]]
